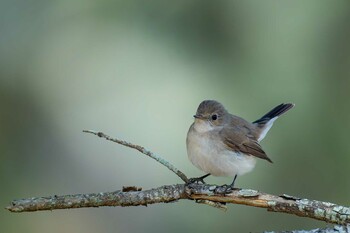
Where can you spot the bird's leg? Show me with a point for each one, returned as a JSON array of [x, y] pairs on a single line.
[[233, 182], [198, 179], [226, 188]]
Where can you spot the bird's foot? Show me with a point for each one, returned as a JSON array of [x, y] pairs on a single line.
[[223, 189], [196, 180]]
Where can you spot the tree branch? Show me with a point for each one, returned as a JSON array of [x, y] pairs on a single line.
[[143, 151], [165, 194], [323, 211], [201, 193]]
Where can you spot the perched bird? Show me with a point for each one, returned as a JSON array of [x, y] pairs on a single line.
[[222, 144]]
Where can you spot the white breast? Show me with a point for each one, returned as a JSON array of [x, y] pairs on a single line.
[[211, 156]]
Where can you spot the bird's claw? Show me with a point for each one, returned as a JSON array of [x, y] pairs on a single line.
[[223, 189], [196, 180]]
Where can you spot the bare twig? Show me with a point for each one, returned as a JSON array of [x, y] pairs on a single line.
[[323, 211], [143, 151]]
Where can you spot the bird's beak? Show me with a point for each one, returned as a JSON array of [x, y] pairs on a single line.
[[198, 116]]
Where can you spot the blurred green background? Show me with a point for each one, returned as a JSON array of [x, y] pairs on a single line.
[[137, 70]]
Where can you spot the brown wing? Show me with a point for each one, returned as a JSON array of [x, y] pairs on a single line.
[[239, 141]]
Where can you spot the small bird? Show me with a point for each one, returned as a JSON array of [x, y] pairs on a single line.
[[222, 144]]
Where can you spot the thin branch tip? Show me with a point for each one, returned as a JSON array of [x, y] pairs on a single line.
[[89, 131], [143, 151]]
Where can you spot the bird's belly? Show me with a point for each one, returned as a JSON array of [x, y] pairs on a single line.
[[210, 157]]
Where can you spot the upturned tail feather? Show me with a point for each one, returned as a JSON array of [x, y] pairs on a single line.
[[275, 112]]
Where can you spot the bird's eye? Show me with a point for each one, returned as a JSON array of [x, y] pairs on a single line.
[[214, 117]]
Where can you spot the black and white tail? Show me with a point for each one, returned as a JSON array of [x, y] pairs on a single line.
[[266, 121]]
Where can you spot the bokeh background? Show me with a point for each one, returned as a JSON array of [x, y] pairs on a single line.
[[137, 70]]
